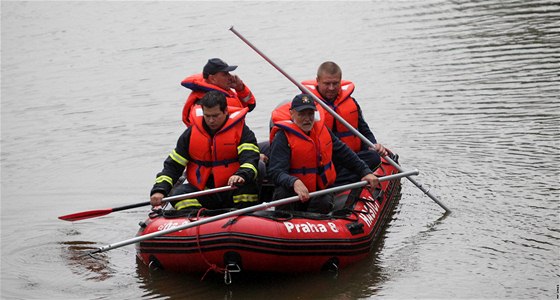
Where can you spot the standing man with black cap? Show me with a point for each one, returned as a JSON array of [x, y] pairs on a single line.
[[302, 158], [216, 77]]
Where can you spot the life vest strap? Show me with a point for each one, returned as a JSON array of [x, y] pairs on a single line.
[[343, 134], [211, 164], [305, 170]]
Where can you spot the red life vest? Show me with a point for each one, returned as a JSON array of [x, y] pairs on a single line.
[[345, 107], [214, 155], [317, 171], [199, 87]]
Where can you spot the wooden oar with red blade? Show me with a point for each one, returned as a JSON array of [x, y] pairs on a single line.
[[101, 212]]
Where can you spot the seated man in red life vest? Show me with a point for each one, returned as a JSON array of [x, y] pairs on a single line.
[[302, 161], [216, 77], [217, 150]]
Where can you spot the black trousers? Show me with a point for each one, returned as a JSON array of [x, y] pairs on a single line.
[[319, 204], [246, 194], [345, 176]]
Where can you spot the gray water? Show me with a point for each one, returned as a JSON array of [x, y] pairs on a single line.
[[465, 91]]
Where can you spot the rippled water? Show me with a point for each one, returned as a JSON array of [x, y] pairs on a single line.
[[465, 91]]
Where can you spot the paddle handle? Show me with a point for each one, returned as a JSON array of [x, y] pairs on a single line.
[[337, 116], [130, 206], [198, 193], [101, 212], [179, 197]]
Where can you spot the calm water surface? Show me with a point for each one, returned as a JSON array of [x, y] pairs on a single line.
[[465, 91]]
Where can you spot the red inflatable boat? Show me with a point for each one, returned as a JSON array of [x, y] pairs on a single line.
[[273, 241]]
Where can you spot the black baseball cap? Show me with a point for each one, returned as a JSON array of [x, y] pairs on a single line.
[[303, 101], [215, 65]]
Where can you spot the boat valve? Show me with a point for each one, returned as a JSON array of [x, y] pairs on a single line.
[[355, 228]]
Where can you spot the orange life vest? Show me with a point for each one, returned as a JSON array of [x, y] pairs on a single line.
[[199, 87], [282, 113], [345, 107], [317, 171], [214, 155]]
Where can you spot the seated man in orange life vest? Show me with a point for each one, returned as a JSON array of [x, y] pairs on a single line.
[[218, 149], [216, 77], [302, 161]]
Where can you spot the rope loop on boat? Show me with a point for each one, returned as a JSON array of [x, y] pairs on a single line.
[[211, 266]]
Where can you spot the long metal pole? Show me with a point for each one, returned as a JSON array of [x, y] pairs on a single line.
[[338, 117], [239, 212]]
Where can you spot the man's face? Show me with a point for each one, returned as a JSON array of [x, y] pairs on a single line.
[[328, 85], [214, 117], [222, 79], [303, 119]]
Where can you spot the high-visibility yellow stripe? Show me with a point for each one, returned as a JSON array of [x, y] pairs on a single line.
[[247, 146], [250, 166], [187, 203], [245, 198], [178, 158], [163, 178]]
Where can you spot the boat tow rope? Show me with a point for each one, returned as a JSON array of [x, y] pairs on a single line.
[[211, 266]]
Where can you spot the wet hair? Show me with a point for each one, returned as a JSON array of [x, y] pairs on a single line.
[[214, 98], [329, 67]]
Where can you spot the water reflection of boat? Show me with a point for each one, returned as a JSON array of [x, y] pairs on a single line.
[[273, 241], [251, 285]]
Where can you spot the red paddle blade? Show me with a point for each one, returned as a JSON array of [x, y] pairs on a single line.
[[86, 214]]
